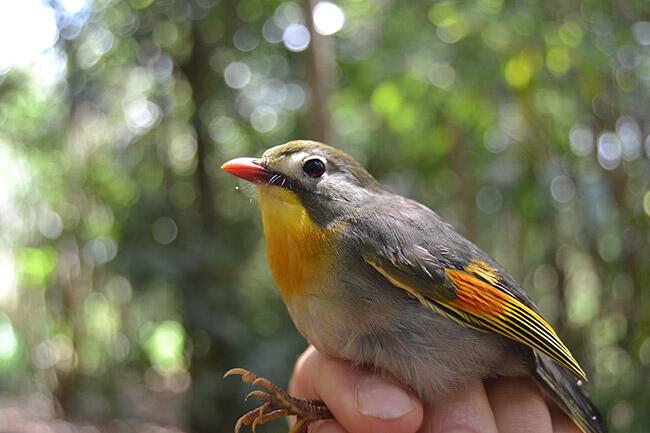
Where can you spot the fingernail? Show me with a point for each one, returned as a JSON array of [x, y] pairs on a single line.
[[382, 399]]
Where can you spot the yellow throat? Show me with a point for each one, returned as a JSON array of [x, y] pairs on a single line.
[[299, 251]]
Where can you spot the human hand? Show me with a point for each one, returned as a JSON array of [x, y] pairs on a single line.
[[365, 403]]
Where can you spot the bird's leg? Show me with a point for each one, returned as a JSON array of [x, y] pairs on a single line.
[[278, 403]]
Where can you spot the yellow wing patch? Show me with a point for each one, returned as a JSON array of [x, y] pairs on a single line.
[[484, 271], [506, 315], [479, 304]]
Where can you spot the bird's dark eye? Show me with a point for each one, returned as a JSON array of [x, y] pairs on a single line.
[[314, 167]]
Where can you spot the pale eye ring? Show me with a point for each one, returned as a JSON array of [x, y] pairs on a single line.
[[314, 167]]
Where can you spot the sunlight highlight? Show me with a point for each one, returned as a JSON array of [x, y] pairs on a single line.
[[328, 18], [7, 278], [8, 340], [27, 28]]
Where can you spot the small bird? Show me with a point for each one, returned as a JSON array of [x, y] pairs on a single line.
[[382, 281]]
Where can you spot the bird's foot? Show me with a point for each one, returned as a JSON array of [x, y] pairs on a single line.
[[278, 403]]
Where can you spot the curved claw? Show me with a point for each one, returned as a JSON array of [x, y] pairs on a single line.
[[239, 425], [263, 419], [251, 416], [246, 376], [277, 403], [239, 371], [254, 425], [262, 410], [244, 420], [259, 394]]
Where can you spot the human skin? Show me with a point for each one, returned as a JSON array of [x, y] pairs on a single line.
[[363, 402]]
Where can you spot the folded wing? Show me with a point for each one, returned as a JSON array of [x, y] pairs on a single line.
[[473, 295]]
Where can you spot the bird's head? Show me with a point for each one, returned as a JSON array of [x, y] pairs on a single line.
[[326, 181]]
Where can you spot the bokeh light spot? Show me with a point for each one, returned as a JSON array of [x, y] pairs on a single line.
[[295, 97], [164, 230], [27, 28], [562, 188], [622, 415], [237, 75], [119, 290], [453, 29], [101, 317], [386, 98], [581, 140], [99, 251], [246, 40], [451, 26], [165, 34], [225, 130], [8, 340], [571, 33], [50, 224], [495, 139], [558, 60], [165, 347], [495, 36], [489, 199], [7, 277], [629, 134], [519, 71], [644, 352], [583, 303], [442, 75], [264, 118], [646, 203], [182, 150], [328, 18], [288, 13], [73, 7], [272, 32], [609, 151], [296, 37], [21, 43], [609, 246], [36, 265], [97, 43], [641, 31], [141, 115]]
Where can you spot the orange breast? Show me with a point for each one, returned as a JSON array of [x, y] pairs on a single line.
[[300, 253]]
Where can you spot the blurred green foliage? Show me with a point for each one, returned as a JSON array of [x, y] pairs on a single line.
[[129, 262]]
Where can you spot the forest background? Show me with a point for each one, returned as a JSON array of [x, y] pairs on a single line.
[[133, 271]]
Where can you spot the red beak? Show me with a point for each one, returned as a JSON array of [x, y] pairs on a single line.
[[249, 169]]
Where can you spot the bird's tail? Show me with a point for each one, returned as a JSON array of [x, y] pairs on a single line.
[[566, 391]]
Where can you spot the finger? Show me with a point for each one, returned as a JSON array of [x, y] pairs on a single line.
[[463, 411], [360, 401], [561, 422], [328, 426], [518, 406]]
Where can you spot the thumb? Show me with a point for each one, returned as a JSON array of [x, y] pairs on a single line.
[[361, 401]]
